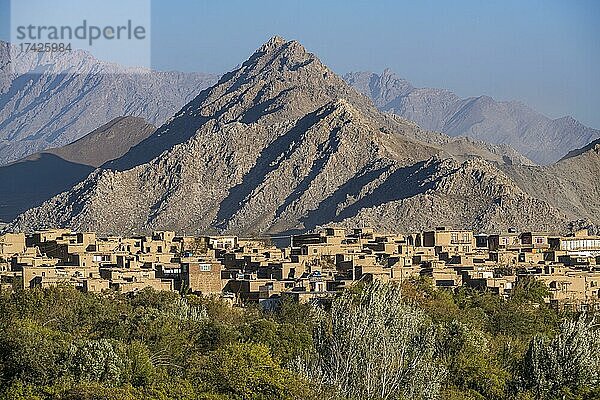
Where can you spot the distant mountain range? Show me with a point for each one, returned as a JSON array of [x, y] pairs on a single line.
[[38, 177], [282, 143], [534, 135], [59, 101]]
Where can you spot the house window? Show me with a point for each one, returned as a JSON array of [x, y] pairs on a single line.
[[205, 267], [539, 240]]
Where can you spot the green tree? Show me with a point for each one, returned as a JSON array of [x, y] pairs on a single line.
[[372, 345], [286, 341], [567, 364], [468, 357], [140, 370], [247, 371], [529, 289], [31, 353], [100, 360]]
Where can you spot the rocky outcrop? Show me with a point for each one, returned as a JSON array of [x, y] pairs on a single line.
[[572, 184]]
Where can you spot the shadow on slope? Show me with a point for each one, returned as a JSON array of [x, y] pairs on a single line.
[[28, 183], [282, 148], [181, 128], [31, 181], [578, 152], [401, 184]]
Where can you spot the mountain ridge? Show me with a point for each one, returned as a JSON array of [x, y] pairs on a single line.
[[282, 143], [537, 137], [57, 101], [38, 177]]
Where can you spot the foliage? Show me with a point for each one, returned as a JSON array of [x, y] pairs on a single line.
[[375, 341], [567, 364], [466, 351], [374, 346], [529, 289], [246, 371]]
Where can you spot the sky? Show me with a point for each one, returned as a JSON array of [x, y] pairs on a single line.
[[543, 53]]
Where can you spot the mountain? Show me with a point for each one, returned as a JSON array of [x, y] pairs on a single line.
[[532, 134], [573, 183], [282, 143], [574, 153], [59, 100], [32, 180]]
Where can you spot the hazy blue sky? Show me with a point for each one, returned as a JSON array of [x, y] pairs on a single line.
[[544, 53]]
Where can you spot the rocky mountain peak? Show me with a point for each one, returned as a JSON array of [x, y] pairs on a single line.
[[64, 96], [380, 88], [343, 107], [279, 83], [388, 72], [280, 55], [567, 120], [535, 136], [273, 43], [282, 143]]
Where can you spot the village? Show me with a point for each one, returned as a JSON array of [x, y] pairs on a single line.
[[311, 267]]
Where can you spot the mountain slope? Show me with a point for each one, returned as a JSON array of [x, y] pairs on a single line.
[[537, 137], [574, 153], [473, 194], [31, 181], [60, 100], [573, 184], [282, 143]]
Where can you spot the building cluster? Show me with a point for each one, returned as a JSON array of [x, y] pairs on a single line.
[[310, 266]]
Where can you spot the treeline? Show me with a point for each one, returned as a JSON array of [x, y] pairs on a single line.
[[374, 341]]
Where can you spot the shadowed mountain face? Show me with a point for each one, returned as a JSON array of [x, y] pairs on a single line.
[[282, 143], [534, 135], [594, 146], [573, 183], [29, 182], [59, 102]]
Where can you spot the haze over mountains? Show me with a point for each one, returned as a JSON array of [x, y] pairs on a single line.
[[60, 101], [65, 99], [534, 135], [282, 143]]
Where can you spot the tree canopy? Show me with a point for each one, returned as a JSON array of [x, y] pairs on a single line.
[[376, 341]]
